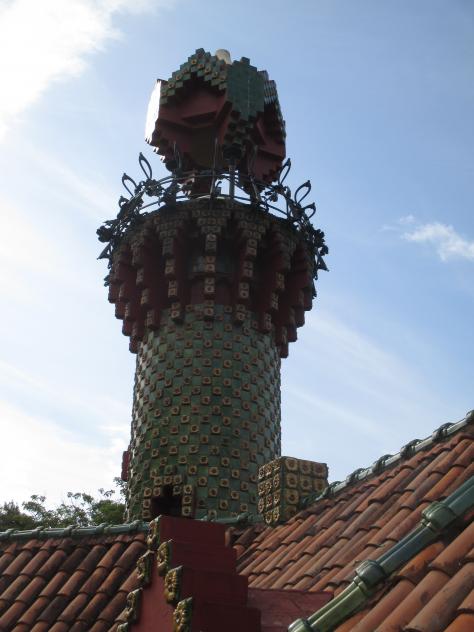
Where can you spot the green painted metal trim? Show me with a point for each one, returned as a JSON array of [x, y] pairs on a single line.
[[41, 533], [242, 520], [372, 573], [443, 433]]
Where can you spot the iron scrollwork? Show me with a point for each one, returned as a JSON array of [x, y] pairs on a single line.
[[275, 198]]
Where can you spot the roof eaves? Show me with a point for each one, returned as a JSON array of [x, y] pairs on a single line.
[[371, 574], [386, 461], [42, 533]]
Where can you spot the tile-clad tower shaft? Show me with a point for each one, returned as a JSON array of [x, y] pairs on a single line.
[[206, 415], [210, 292]]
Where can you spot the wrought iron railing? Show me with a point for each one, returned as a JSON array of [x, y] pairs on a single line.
[[149, 194]]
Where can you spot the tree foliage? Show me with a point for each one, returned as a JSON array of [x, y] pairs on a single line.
[[79, 509]]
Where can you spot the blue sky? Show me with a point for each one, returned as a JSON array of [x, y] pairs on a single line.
[[378, 98]]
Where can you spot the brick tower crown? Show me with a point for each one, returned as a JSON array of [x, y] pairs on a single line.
[[211, 279]]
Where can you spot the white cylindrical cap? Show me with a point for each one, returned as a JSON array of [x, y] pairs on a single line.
[[223, 54]]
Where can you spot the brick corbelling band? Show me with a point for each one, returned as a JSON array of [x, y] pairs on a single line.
[[217, 252], [206, 415]]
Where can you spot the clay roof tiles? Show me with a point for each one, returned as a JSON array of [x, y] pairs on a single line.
[[69, 580], [60, 584], [320, 548]]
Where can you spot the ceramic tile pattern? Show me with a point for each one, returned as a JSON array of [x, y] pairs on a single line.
[[206, 415], [320, 548], [211, 298]]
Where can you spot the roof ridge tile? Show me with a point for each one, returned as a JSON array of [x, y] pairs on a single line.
[[441, 434]]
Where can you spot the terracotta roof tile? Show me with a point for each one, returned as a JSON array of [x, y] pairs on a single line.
[[321, 546], [401, 615], [99, 626], [31, 590], [57, 583], [94, 607], [18, 563], [75, 584], [462, 623], [95, 556], [14, 589], [415, 569], [34, 611], [380, 611], [8, 554], [450, 559], [12, 615], [468, 603], [53, 587], [438, 611], [54, 609], [39, 627], [59, 626], [113, 608]]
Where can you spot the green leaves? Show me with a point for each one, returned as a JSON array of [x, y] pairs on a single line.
[[79, 509]]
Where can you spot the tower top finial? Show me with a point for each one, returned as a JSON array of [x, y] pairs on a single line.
[[218, 113], [223, 55]]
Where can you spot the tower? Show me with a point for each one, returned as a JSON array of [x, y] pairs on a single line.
[[211, 271]]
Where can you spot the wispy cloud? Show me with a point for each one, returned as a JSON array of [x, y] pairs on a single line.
[[50, 461], [448, 243], [345, 388], [43, 42], [97, 409]]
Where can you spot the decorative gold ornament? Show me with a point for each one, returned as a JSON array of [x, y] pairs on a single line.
[[153, 538], [163, 556], [182, 615], [173, 584], [144, 565], [133, 605]]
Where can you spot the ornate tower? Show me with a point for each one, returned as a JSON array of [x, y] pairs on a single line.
[[211, 271]]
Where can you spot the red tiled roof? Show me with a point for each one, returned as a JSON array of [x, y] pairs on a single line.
[[67, 584], [80, 580], [320, 548]]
